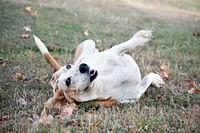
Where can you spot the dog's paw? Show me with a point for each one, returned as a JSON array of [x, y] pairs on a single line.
[[157, 81], [144, 36]]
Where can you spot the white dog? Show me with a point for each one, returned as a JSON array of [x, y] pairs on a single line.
[[111, 74]]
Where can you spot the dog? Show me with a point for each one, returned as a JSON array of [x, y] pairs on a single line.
[[111, 74]]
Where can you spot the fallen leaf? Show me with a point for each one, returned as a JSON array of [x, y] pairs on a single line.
[[52, 47], [3, 62], [196, 33], [30, 10], [56, 58], [4, 117], [27, 28], [190, 83], [66, 112], [86, 31], [191, 91], [22, 101], [34, 13], [44, 77], [42, 119], [197, 90], [36, 117], [76, 123], [25, 36], [159, 97], [18, 76], [164, 71], [95, 125], [94, 122], [192, 86]]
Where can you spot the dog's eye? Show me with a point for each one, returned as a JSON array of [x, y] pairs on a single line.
[[68, 81], [68, 66]]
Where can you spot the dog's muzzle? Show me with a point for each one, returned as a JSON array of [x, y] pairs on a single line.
[[84, 68]]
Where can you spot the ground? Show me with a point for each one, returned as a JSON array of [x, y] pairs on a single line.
[[62, 25]]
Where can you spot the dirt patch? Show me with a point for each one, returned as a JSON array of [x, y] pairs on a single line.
[[155, 8], [163, 10]]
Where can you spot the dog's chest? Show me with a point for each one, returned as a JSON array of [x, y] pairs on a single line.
[[105, 62]]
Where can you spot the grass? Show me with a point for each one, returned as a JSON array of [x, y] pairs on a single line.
[[62, 23]]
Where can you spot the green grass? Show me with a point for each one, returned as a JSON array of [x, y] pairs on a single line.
[[62, 23]]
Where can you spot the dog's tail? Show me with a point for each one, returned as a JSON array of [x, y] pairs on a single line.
[[46, 53]]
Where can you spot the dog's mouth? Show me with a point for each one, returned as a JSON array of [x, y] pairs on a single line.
[[93, 75]]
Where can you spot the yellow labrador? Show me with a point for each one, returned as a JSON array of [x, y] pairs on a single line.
[[111, 74]]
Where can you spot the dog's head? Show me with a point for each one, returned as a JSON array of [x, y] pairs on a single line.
[[73, 78], [76, 78]]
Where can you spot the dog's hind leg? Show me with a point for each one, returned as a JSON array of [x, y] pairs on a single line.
[[138, 39], [151, 79], [85, 48]]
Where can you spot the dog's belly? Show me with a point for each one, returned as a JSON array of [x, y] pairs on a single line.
[[114, 73], [107, 63]]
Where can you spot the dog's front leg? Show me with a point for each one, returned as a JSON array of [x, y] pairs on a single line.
[[138, 39]]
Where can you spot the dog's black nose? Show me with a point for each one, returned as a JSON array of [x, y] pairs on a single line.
[[83, 68]]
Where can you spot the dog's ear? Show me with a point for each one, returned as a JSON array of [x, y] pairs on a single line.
[[78, 52], [46, 53], [85, 48]]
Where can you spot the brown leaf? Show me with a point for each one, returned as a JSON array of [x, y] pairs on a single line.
[[66, 112], [18, 76], [191, 90], [164, 71], [159, 97], [44, 77], [189, 83], [43, 119], [56, 58], [95, 125], [27, 28], [36, 117], [30, 10], [196, 33], [76, 123], [197, 90], [192, 86], [25, 36], [94, 121], [3, 62], [52, 47], [34, 13], [4, 117], [86, 31]]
